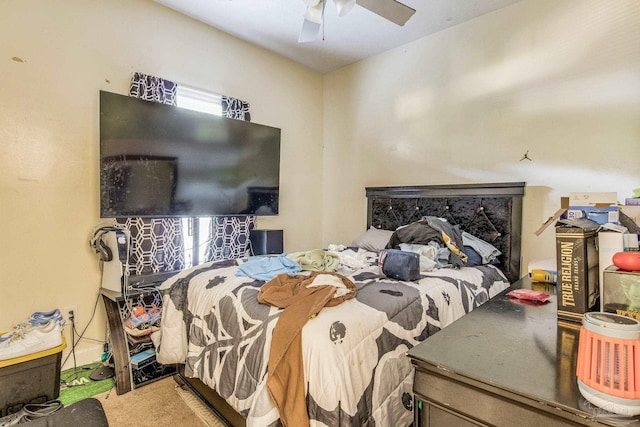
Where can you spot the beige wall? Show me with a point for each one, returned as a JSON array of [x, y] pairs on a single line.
[[55, 56], [559, 79]]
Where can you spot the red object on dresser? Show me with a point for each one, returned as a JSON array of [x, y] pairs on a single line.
[[629, 261]]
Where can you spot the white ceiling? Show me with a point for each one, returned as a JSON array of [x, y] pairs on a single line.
[[275, 25]]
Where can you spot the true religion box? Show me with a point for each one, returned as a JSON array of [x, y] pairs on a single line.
[[621, 292], [577, 262]]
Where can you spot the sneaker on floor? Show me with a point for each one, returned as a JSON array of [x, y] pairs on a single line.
[[29, 341]]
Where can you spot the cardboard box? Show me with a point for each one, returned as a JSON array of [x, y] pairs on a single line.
[[592, 206], [599, 207], [577, 260], [621, 292], [593, 199], [633, 212], [560, 213]]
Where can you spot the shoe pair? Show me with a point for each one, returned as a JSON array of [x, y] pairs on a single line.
[[139, 316], [135, 332], [31, 339], [31, 411], [39, 318]]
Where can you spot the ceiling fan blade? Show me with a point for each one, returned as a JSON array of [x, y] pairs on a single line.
[[391, 10], [315, 13], [309, 32], [344, 6], [312, 22]]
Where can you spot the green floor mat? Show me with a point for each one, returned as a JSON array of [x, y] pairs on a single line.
[[76, 385]]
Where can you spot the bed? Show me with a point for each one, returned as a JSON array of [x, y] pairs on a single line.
[[356, 372]]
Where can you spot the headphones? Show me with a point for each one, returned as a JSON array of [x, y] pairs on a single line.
[[97, 242]]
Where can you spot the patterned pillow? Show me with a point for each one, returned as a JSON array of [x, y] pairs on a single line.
[[373, 240]]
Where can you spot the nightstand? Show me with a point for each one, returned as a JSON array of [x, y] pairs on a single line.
[[507, 363]]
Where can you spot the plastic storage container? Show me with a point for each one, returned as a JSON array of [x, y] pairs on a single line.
[[34, 378]]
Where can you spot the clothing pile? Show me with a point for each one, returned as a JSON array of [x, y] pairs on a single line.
[[441, 244]]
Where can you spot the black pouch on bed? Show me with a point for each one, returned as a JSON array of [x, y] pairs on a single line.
[[400, 265]]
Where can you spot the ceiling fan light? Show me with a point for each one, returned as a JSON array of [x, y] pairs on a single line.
[[344, 6], [314, 13]]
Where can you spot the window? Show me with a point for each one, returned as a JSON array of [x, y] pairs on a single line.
[[190, 240], [198, 100], [211, 103]]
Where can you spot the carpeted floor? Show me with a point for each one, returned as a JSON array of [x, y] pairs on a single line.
[[160, 403]]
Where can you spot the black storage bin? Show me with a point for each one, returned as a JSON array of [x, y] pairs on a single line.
[[30, 379]]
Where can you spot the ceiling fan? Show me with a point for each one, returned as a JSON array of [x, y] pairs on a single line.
[[391, 10]]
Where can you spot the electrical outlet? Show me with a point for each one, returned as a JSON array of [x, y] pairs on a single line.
[[67, 316]]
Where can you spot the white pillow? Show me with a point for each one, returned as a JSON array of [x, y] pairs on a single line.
[[373, 240]]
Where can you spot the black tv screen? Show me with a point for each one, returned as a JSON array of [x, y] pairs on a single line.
[[162, 161]]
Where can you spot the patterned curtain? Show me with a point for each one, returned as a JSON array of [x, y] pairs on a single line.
[[229, 235], [157, 243], [151, 88], [234, 108]]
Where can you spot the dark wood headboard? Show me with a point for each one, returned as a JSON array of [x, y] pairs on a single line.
[[492, 212]]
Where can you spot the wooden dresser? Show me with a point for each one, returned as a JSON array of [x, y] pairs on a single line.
[[504, 364]]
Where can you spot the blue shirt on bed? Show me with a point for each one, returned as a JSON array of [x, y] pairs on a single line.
[[267, 267]]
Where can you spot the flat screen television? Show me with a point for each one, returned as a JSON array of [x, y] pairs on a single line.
[[163, 161]]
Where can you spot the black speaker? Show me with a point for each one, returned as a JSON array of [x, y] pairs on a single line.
[[266, 242]]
